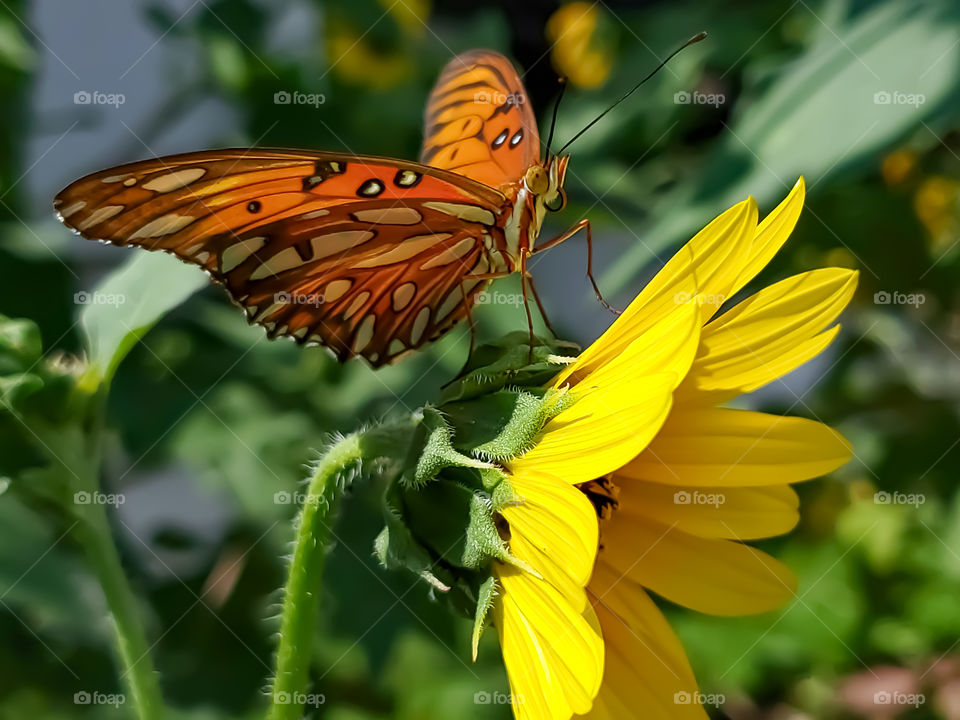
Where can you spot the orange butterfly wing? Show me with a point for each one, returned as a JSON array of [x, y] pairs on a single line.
[[369, 256], [479, 122]]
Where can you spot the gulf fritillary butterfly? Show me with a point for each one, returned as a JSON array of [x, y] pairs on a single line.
[[368, 256]]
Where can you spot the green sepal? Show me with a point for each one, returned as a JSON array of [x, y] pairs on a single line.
[[502, 495], [530, 414], [504, 424], [485, 599], [509, 362], [437, 451], [456, 523], [396, 547]]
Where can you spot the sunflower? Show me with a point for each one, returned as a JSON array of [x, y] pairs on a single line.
[[646, 483]]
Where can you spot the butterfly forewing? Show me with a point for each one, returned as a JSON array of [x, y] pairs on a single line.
[[368, 256], [479, 121]]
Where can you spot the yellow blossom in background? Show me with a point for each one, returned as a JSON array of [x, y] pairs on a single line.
[[354, 58], [577, 53], [646, 483], [410, 15], [897, 166], [937, 204]]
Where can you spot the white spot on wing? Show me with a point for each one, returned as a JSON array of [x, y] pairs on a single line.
[[286, 259], [163, 225], [99, 215], [389, 216], [403, 295], [364, 333], [336, 243], [419, 325], [403, 251], [269, 310], [471, 213], [358, 302], [74, 208], [240, 251], [174, 180], [335, 290], [451, 254], [451, 301]]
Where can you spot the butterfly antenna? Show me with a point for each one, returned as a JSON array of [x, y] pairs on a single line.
[[695, 39], [556, 109]]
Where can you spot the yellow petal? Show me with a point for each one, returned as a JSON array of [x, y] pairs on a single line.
[[553, 652], [555, 531], [646, 676], [720, 447], [718, 577], [739, 513], [600, 433], [707, 267], [620, 405], [668, 346], [770, 333], [771, 235]]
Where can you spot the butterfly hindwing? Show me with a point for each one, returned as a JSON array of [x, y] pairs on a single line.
[[479, 121], [375, 290], [321, 247]]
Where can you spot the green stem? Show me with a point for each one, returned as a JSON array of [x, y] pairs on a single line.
[[138, 673], [78, 454], [298, 615]]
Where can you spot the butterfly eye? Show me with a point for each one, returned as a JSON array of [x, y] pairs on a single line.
[[559, 202]]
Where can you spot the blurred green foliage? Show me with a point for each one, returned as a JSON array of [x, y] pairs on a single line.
[[207, 421]]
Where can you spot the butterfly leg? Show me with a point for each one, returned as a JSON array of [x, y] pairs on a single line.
[[585, 223], [524, 278], [473, 326], [543, 312]]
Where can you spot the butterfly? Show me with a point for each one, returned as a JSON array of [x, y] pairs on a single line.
[[367, 256]]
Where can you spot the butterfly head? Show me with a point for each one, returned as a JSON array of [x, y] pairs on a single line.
[[544, 181]]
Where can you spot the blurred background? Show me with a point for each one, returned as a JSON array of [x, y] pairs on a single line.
[[207, 421]]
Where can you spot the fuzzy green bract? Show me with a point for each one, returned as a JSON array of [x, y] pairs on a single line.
[[442, 518]]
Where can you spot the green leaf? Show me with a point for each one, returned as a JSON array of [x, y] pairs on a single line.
[[128, 303], [820, 116]]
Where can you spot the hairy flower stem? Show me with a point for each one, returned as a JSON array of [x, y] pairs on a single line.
[[298, 615]]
